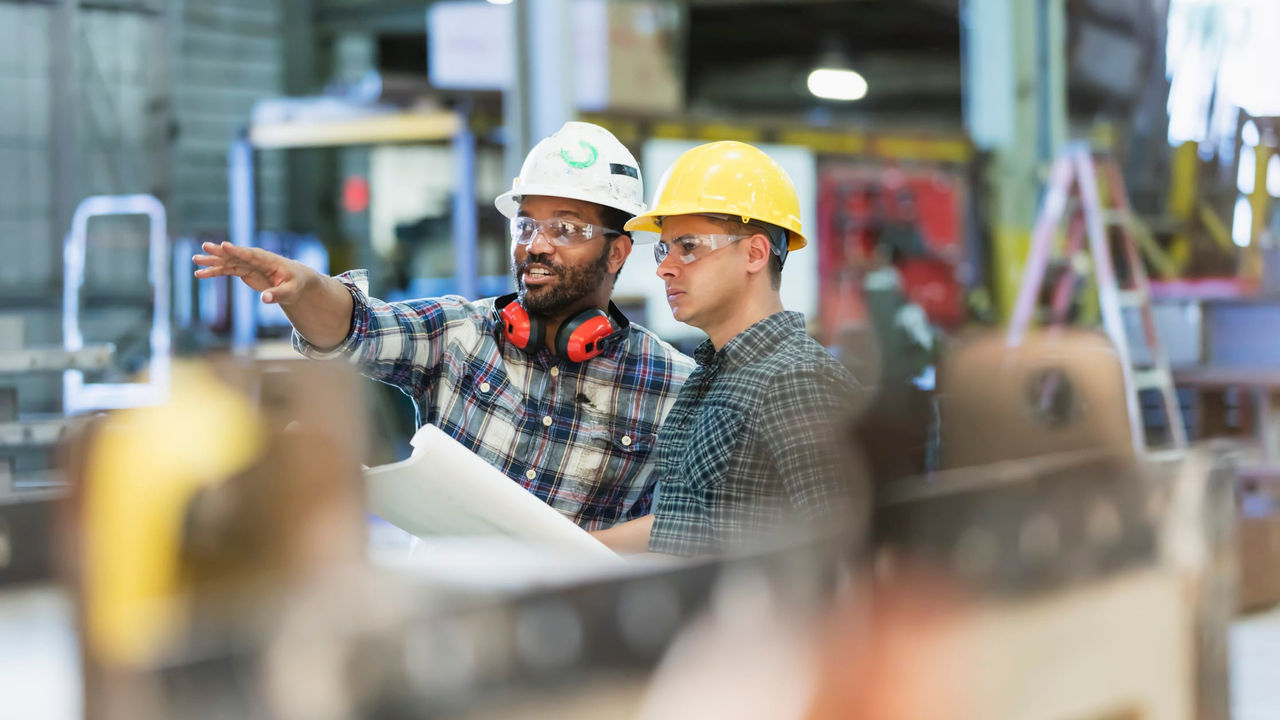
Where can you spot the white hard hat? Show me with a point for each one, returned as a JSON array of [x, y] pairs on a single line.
[[580, 161]]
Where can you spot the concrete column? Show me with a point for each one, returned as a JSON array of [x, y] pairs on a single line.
[[541, 98], [1015, 109]]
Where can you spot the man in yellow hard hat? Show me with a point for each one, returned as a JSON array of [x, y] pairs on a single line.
[[750, 447]]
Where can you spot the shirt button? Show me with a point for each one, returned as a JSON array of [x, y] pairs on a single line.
[[626, 439], [485, 387], [555, 372], [547, 421], [531, 474]]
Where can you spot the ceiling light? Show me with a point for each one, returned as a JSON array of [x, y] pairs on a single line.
[[1242, 223], [831, 83], [1249, 134], [499, 2]]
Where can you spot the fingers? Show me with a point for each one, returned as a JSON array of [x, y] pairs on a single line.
[[254, 258], [213, 266], [227, 259], [213, 272], [225, 249], [251, 255]]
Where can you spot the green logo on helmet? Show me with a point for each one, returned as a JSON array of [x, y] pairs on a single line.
[[580, 163]]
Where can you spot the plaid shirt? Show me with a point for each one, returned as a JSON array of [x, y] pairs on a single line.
[[751, 445], [577, 435]]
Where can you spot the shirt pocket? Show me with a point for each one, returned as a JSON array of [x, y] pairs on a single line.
[[609, 453], [487, 410], [709, 450]]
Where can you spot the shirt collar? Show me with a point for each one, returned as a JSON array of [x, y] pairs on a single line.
[[754, 343]]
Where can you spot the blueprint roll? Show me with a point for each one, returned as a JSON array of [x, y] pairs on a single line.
[[443, 489]]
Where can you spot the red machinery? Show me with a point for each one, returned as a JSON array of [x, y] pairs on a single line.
[[916, 214]]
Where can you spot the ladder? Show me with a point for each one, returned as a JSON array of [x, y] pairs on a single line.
[[1073, 193]]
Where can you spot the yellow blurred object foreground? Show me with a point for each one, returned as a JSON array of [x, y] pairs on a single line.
[[144, 466]]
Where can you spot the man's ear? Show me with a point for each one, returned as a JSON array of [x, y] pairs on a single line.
[[758, 253], [619, 249]]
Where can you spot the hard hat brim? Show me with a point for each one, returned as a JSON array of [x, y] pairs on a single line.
[[508, 203], [651, 222]]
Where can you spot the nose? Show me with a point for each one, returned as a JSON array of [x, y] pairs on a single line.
[[669, 267], [541, 244]]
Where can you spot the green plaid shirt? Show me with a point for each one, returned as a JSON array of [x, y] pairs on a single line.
[[752, 444]]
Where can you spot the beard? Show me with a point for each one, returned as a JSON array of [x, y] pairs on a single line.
[[574, 282]]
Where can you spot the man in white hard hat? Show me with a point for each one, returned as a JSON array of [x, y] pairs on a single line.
[[753, 446], [551, 384]]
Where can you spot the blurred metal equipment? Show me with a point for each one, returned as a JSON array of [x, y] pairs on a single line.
[[26, 440], [1079, 584], [26, 555], [77, 395], [1118, 579], [217, 554], [1045, 501], [190, 520], [1104, 220], [1056, 393]]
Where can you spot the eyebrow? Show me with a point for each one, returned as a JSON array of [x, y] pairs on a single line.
[[557, 214]]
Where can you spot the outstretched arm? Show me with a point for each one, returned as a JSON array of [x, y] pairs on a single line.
[[319, 306]]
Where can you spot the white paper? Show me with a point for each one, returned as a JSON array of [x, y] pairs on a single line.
[[443, 489]]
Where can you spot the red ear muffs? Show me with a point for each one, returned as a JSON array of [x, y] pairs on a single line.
[[578, 339], [525, 331]]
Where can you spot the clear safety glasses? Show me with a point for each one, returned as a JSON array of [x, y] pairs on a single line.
[[557, 231], [689, 248]]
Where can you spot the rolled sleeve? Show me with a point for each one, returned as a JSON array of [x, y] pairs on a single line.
[[401, 343], [357, 283]]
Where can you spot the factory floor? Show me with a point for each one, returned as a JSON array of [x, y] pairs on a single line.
[[1255, 666]]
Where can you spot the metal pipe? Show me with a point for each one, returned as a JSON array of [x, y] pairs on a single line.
[[241, 184], [464, 205]]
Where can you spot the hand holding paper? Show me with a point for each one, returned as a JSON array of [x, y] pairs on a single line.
[[444, 489]]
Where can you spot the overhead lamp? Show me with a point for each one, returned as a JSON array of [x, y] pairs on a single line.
[[831, 83], [499, 2], [833, 76]]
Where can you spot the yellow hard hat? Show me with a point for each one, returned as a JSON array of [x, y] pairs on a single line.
[[727, 178]]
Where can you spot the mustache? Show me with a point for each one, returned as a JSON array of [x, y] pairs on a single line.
[[542, 260]]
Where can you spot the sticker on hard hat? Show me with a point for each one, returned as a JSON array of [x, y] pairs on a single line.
[[620, 169], [580, 163]]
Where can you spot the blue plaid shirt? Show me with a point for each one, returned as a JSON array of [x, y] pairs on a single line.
[[756, 445], [577, 435]]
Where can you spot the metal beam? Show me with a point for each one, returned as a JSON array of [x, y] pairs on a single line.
[[378, 16], [64, 36]]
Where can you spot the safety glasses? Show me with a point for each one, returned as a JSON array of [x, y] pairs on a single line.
[[557, 231], [689, 248]]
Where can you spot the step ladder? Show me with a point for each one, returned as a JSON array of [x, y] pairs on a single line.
[[1074, 194]]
